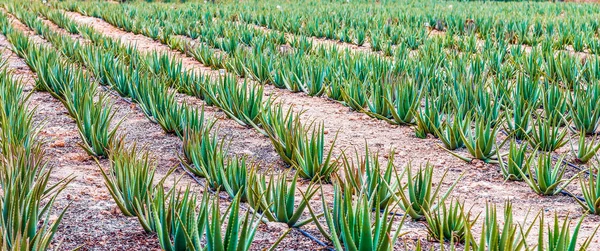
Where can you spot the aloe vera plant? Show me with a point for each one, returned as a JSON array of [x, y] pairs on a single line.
[[428, 118], [590, 189], [418, 195], [130, 177], [450, 223], [283, 129], [16, 121], [366, 174], [517, 162], [165, 68], [555, 103], [182, 224], [404, 106], [313, 79], [354, 94], [235, 176], [586, 151], [548, 178], [94, 120], [240, 229], [353, 227], [310, 158], [519, 117], [241, 102], [26, 197], [198, 146], [510, 236], [379, 93], [560, 237], [482, 142], [25, 184], [275, 199], [547, 137], [584, 108], [450, 133]]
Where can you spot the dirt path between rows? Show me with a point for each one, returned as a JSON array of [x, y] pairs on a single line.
[[482, 183]]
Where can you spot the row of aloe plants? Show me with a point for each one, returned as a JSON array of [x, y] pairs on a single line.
[[27, 196], [182, 219], [71, 85], [238, 35]]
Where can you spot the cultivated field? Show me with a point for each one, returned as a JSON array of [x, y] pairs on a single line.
[[299, 125]]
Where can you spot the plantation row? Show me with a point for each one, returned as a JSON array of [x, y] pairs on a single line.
[[145, 79], [27, 197]]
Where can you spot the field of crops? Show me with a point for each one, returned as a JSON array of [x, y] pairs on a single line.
[[299, 125]]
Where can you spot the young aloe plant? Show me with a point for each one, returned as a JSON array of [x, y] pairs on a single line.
[[178, 226], [283, 129], [591, 191], [481, 143], [17, 127], [314, 77], [354, 94], [584, 110], [235, 176], [519, 117], [240, 230], [585, 151], [130, 177], [198, 146], [494, 237], [351, 224], [418, 195], [275, 199], [548, 178], [547, 137], [366, 174], [428, 118], [241, 102], [517, 162], [560, 237], [449, 133], [156, 213], [213, 165], [555, 103], [163, 67], [310, 159], [160, 105], [450, 223], [26, 223], [404, 106], [94, 119], [377, 107]]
